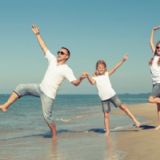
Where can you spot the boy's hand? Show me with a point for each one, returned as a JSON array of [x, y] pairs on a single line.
[[125, 57], [85, 74]]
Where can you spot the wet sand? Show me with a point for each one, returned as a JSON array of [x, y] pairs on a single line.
[[77, 145]]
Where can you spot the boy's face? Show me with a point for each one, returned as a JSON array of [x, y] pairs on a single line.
[[101, 69]]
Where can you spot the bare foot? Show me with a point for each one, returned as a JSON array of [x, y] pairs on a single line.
[[107, 132], [157, 128], [54, 138], [3, 108], [137, 124]]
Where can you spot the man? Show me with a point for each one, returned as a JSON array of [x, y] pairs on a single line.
[[57, 71]]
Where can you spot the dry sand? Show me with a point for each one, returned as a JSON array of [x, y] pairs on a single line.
[[144, 143]]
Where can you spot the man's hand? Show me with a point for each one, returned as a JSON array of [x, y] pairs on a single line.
[[35, 29]]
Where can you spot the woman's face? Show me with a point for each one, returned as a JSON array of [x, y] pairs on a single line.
[[101, 69], [158, 49]]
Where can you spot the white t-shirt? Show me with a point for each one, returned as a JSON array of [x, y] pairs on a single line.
[[155, 70], [104, 86], [55, 75]]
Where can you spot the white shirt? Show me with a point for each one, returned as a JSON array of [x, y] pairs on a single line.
[[104, 86], [155, 70], [55, 75]]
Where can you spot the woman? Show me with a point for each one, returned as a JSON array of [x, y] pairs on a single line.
[[155, 73]]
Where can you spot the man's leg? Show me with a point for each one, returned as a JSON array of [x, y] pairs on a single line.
[[13, 97], [21, 90], [52, 127], [47, 104]]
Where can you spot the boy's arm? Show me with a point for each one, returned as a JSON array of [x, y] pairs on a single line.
[[36, 31], [125, 57], [90, 79]]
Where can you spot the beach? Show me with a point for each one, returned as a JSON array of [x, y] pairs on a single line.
[[80, 134], [142, 144]]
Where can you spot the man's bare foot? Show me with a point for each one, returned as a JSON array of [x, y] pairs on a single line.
[[3, 108]]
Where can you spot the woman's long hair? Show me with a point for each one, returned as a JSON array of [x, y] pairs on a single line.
[[155, 53]]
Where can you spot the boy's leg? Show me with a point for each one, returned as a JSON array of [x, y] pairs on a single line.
[[107, 122], [47, 104], [117, 102], [125, 109], [106, 108], [21, 90]]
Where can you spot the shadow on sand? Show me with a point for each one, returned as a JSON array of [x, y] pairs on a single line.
[[94, 130]]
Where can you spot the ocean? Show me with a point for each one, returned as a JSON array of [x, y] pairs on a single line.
[[78, 117]]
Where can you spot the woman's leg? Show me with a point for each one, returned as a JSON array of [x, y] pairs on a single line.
[[153, 99], [158, 114]]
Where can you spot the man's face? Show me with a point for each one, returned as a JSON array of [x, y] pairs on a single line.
[[62, 55]]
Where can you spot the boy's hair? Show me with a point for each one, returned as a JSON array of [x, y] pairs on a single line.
[[155, 53], [100, 62]]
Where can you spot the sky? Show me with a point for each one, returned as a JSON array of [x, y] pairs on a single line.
[[91, 29]]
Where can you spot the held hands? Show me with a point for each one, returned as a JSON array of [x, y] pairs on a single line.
[[35, 29], [156, 28], [85, 74]]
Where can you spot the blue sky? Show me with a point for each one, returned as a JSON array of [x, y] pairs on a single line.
[[92, 30]]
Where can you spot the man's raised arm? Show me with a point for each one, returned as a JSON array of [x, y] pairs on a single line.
[[36, 31]]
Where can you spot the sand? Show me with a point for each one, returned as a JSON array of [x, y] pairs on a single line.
[[144, 143]]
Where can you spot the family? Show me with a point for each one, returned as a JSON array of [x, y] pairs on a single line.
[[58, 71]]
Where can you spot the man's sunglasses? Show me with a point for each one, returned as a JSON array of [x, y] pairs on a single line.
[[61, 53]]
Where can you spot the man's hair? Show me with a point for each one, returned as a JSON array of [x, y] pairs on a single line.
[[68, 51]]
